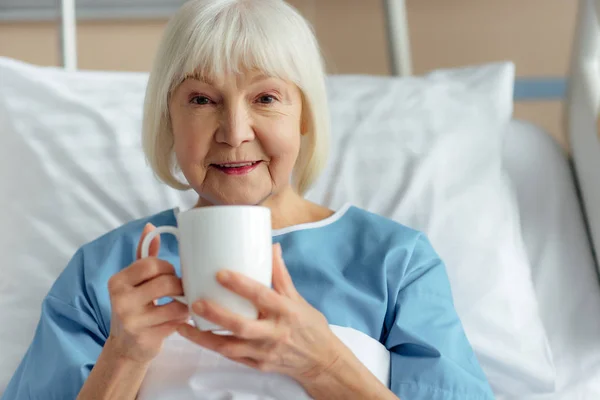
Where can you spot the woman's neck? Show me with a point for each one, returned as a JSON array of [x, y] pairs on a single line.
[[288, 208]]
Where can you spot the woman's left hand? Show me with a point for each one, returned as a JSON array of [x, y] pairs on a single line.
[[289, 337]]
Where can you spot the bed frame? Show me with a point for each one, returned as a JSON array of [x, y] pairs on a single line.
[[397, 32], [582, 102], [582, 107]]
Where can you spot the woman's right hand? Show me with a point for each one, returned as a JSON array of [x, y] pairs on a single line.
[[139, 326]]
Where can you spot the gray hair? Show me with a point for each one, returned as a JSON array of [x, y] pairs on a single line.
[[214, 37]]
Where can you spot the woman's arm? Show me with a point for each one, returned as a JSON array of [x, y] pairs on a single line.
[[113, 377], [347, 379], [430, 356], [72, 356], [138, 325], [67, 342]]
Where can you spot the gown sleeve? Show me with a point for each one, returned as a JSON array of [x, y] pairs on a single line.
[[430, 355], [67, 342]]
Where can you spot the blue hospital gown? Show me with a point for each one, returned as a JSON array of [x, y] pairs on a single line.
[[359, 269]]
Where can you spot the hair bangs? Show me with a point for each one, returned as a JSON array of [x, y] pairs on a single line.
[[240, 39]]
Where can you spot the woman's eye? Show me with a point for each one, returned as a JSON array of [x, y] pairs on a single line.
[[267, 99], [200, 100]]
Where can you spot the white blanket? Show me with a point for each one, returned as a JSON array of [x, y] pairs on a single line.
[[184, 370]]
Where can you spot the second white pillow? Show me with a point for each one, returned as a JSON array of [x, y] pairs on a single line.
[[427, 153]]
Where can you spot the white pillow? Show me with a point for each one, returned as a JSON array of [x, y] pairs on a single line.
[[73, 169], [427, 152]]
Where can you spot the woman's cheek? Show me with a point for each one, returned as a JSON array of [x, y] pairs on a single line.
[[194, 137], [282, 163], [282, 150]]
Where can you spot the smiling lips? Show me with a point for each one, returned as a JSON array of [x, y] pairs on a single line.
[[239, 168]]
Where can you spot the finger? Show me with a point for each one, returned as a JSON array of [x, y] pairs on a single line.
[[159, 315], [144, 270], [160, 286], [263, 297], [229, 346], [240, 326], [154, 245], [282, 281], [166, 329]]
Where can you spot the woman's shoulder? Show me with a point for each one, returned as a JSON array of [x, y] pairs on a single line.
[[368, 223], [404, 251], [358, 231], [96, 261], [390, 236], [128, 233]]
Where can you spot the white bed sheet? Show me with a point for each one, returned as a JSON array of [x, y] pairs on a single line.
[[564, 272]]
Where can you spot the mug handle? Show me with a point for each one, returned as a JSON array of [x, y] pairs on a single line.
[[146, 248]]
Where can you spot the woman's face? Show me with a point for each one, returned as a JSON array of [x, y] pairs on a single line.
[[236, 138]]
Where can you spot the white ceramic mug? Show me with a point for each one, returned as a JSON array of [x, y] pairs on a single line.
[[211, 239]]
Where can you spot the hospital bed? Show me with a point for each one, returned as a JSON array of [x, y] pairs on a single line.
[[63, 190]]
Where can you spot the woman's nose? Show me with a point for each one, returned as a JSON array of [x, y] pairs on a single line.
[[235, 128]]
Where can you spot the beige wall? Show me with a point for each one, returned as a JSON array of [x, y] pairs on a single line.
[[535, 34]]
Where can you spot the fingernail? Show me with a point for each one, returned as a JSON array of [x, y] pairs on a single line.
[[279, 252]]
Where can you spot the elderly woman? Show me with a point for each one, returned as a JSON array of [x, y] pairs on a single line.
[[236, 107]]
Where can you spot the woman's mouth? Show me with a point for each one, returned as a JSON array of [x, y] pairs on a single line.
[[239, 168]]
